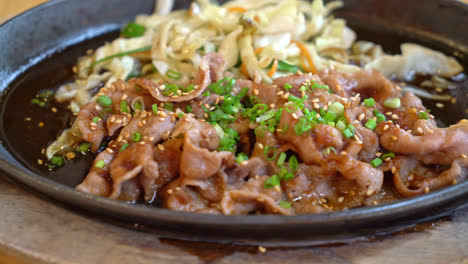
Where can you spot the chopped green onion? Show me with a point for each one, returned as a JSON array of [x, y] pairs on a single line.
[[376, 162], [271, 182], [284, 204], [281, 159], [173, 74], [423, 115], [336, 108], [117, 55], [340, 125], [155, 108], [38, 102], [57, 160], [138, 88], [105, 111], [133, 75], [137, 106], [293, 163], [287, 87], [388, 155], [241, 157], [229, 141], [369, 102], [371, 124], [136, 137], [84, 147], [123, 107], [206, 94], [329, 117], [288, 176], [96, 119], [380, 117], [302, 126], [100, 164], [392, 103], [168, 106], [293, 109], [124, 146], [132, 30], [267, 115], [347, 133], [328, 150], [266, 152], [352, 129], [189, 109], [104, 101], [181, 114]]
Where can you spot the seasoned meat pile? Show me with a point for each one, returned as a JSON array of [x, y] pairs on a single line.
[[303, 144]]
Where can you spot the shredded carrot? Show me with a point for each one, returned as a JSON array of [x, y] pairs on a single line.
[[259, 50], [244, 70], [273, 69], [239, 9], [257, 19], [306, 53]]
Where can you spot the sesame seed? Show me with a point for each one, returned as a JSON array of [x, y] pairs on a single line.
[[262, 249], [272, 105], [385, 127], [361, 116], [260, 145], [169, 191], [463, 156], [395, 117], [426, 190], [112, 119], [110, 150], [378, 154], [177, 189], [341, 199], [280, 93], [161, 119], [315, 100], [344, 153], [277, 188], [161, 147], [439, 105], [453, 100], [294, 115], [352, 192], [255, 91], [53, 109], [419, 130], [285, 96], [118, 121], [316, 106], [388, 113], [325, 107], [140, 124], [375, 203], [243, 163], [394, 138], [369, 192], [393, 169], [430, 131], [41, 124], [207, 106], [123, 97], [260, 199], [205, 115], [40, 162]]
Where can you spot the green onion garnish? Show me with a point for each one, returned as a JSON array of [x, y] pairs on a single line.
[[369, 102], [104, 101], [173, 74], [392, 103], [38, 102], [293, 163], [241, 157], [100, 164], [281, 159], [189, 109], [132, 30], [96, 119], [136, 137], [124, 146], [117, 55], [206, 94], [181, 114], [286, 67], [84, 147], [302, 126], [168, 106], [57, 160], [328, 150], [123, 107], [376, 162], [287, 87], [371, 124], [272, 182], [288, 176], [284, 204], [347, 133], [155, 108], [380, 117], [388, 155], [336, 108], [266, 152], [340, 125], [423, 115], [137, 106]]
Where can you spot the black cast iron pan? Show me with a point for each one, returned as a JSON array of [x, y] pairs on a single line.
[[39, 47]]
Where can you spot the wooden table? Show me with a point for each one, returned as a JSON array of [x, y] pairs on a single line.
[[34, 229]]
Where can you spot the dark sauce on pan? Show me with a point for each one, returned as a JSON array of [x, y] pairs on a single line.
[[25, 138]]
